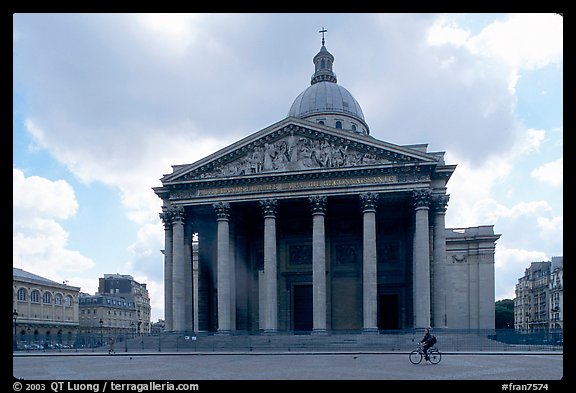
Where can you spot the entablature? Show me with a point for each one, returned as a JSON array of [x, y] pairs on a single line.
[[342, 182]]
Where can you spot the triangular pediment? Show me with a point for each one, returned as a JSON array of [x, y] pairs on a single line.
[[297, 145]]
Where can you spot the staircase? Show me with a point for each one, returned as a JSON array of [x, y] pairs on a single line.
[[394, 341], [271, 343]]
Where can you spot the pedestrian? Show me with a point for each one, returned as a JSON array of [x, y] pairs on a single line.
[[111, 346]]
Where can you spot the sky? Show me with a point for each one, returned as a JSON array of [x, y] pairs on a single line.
[[104, 104]]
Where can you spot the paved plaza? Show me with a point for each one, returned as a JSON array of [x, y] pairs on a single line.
[[537, 367]]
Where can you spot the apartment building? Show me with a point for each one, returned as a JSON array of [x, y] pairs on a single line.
[[538, 305], [124, 286]]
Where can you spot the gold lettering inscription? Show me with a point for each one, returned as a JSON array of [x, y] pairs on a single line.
[[296, 185]]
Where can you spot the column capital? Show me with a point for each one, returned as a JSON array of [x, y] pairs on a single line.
[[421, 198], [368, 201], [440, 202], [318, 204], [166, 217], [222, 210], [269, 207], [177, 214]]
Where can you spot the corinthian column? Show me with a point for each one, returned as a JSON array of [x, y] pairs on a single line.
[[421, 260], [178, 271], [318, 205], [369, 262], [269, 321], [223, 267], [439, 267], [166, 218]]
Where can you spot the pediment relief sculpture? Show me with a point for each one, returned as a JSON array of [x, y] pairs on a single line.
[[296, 153]]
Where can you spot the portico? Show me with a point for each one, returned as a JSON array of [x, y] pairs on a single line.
[[315, 249]]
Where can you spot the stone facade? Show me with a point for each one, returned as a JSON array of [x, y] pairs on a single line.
[[124, 285], [107, 314], [468, 279], [45, 311], [317, 227], [344, 245]]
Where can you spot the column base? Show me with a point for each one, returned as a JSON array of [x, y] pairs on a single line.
[[319, 331], [370, 331], [224, 333]]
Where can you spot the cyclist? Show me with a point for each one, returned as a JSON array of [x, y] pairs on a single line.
[[428, 342]]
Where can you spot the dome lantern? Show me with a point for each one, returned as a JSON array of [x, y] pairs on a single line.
[[325, 101]]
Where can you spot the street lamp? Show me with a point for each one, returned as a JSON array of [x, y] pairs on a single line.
[[101, 337], [132, 329], [14, 342]]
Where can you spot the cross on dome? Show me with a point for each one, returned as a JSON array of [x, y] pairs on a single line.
[[323, 31]]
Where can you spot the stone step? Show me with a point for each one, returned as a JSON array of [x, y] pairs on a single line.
[[302, 342]]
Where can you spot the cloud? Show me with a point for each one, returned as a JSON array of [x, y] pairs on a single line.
[[444, 95], [552, 228], [147, 250], [551, 173], [523, 41], [471, 189], [35, 196], [39, 240], [510, 264], [445, 31], [479, 73], [530, 141]]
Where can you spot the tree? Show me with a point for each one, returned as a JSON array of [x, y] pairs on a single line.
[[504, 314]]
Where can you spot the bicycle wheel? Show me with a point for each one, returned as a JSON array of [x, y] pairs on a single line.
[[435, 356], [415, 357]]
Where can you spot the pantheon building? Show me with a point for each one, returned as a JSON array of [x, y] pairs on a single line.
[[313, 225]]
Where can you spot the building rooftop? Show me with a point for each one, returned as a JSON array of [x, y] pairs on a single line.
[[27, 276]]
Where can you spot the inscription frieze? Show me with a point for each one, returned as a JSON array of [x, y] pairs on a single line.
[[295, 185]]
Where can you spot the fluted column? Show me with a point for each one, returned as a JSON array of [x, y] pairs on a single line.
[[318, 205], [421, 260], [439, 267], [178, 271], [166, 218], [223, 267], [369, 263], [269, 321]]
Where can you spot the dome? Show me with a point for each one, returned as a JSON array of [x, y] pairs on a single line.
[[326, 98], [326, 102]]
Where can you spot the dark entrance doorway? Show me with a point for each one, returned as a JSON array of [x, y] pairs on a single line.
[[388, 312], [303, 317]]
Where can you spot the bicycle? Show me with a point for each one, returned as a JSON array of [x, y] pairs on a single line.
[[434, 355]]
